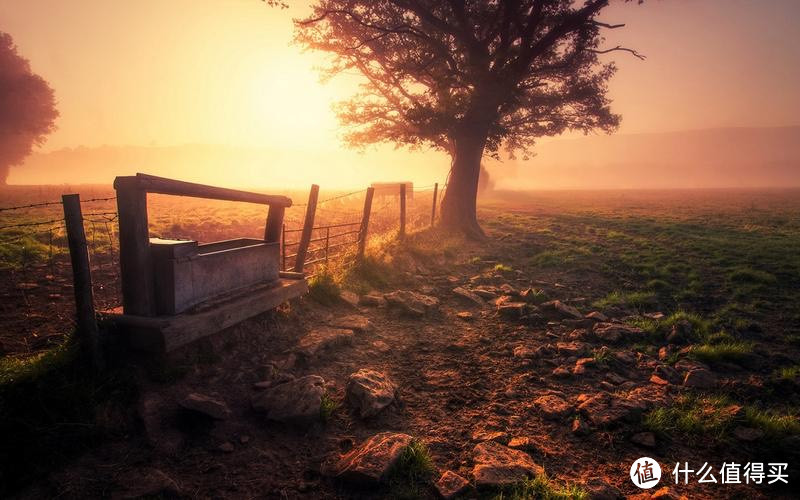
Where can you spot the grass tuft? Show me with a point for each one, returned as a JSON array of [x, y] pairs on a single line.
[[722, 352], [327, 407], [541, 487], [413, 470], [323, 288], [637, 300]]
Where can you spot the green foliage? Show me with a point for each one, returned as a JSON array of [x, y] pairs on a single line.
[[503, 268], [637, 300], [696, 415], [788, 372], [722, 352], [323, 288], [413, 470], [541, 488], [327, 407], [367, 274]]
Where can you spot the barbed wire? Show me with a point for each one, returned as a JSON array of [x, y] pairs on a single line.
[[320, 202], [50, 203]]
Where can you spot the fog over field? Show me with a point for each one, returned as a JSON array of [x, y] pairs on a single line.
[[725, 157]]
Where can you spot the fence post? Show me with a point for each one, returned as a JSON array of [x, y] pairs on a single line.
[[308, 227], [433, 208], [283, 247], [327, 243], [81, 279], [136, 268], [362, 233], [402, 210]]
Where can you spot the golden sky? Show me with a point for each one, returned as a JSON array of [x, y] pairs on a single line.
[[223, 72]]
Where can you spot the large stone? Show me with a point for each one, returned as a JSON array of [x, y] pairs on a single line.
[[646, 439], [614, 332], [294, 402], [369, 392], [498, 465], [603, 409], [323, 339], [469, 296], [700, 379], [371, 462], [512, 310], [206, 405], [553, 406], [560, 309], [451, 485], [355, 322], [411, 303], [597, 489], [372, 300]]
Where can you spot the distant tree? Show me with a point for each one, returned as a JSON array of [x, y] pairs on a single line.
[[27, 107], [466, 77]]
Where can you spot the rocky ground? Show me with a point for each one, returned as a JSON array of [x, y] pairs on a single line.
[[494, 375]]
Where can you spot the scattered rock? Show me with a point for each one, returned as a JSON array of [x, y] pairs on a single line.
[[226, 447], [580, 427], [349, 297], [355, 322], [646, 439], [680, 333], [153, 411], [371, 462], [562, 372], [570, 348], [27, 286], [665, 352], [603, 409], [469, 296], [700, 378], [372, 300], [533, 296], [666, 493], [522, 443], [598, 489], [369, 392], [206, 405], [451, 485], [322, 339], [484, 293], [496, 436], [561, 309], [597, 316], [658, 380], [552, 406], [411, 303], [295, 402], [512, 310], [149, 483], [748, 434], [465, 315], [614, 332], [497, 465]]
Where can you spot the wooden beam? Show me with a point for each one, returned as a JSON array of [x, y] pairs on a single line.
[[169, 333], [153, 184], [135, 262], [273, 229]]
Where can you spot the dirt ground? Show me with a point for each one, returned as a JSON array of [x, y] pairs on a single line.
[[496, 373]]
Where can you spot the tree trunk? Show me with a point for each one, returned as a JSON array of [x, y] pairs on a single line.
[[459, 203]]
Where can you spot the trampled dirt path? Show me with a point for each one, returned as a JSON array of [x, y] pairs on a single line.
[[516, 380]]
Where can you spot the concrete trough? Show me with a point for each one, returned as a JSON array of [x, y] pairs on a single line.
[[187, 273]]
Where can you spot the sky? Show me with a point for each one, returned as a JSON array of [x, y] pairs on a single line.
[[224, 72]]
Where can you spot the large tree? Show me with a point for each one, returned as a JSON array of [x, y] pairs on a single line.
[[27, 107], [466, 77]]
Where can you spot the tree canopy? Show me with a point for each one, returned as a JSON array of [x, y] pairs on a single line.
[[27, 107]]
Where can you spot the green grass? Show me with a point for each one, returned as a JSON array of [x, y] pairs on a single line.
[[327, 407], [711, 415], [637, 300], [660, 328], [723, 352], [503, 268], [788, 372], [412, 472], [323, 288], [541, 488]]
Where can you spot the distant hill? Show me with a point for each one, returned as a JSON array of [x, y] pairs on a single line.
[[728, 157]]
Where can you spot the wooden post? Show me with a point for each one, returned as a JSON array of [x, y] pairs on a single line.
[[327, 243], [308, 227], [402, 210], [136, 268], [362, 233], [283, 247], [272, 233], [81, 279], [433, 208]]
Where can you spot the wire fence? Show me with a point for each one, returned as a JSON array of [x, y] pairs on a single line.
[[35, 272]]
